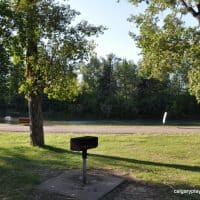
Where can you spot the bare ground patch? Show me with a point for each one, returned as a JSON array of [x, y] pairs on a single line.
[[105, 129], [130, 189]]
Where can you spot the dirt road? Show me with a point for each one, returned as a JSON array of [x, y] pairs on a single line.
[[104, 129]]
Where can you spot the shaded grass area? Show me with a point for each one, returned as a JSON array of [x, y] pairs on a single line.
[[171, 161]]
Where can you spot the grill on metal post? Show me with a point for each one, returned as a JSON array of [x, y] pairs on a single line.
[[83, 144]]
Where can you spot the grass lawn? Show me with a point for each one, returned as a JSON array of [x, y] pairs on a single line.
[[171, 160]]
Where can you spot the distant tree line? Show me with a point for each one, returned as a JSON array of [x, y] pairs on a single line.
[[111, 88], [40, 58], [115, 88]]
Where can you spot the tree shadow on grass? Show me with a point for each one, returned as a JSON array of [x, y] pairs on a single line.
[[128, 160], [152, 163], [18, 159], [23, 170], [55, 149]]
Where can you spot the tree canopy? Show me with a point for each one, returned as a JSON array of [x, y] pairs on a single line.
[[60, 45], [43, 38], [169, 46]]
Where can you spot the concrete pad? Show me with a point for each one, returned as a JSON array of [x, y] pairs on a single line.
[[70, 184]]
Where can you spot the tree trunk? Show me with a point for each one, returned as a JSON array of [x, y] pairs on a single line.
[[33, 75], [36, 120]]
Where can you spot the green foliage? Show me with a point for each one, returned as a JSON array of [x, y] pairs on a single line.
[[4, 69], [107, 82], [194, 82], [91, 74], [111, 87], [63, 88], [46, 49], [152, 95], [120, 89], [42, 38], [170, 49], [126, 79], [194, 73]]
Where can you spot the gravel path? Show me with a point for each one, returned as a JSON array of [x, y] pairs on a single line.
[[97, 129]]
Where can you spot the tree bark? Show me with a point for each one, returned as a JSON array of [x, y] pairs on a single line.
[[36, 120], [33, 75], [191, 10]]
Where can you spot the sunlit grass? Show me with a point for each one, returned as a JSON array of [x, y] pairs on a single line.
[[173, 160]]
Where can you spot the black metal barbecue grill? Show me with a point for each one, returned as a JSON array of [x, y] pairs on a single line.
[[83, 144]]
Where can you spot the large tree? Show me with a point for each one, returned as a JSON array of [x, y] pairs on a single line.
[[126, 75], [182, 6], [170, 46], [41, 35]]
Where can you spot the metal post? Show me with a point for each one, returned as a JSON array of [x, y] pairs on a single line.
[[84, 171], [84, 156]]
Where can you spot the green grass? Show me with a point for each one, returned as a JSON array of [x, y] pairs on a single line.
[[172, 160]]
